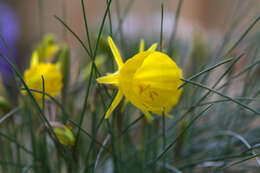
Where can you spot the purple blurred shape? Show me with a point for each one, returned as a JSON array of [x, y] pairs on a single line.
[[9, 29]]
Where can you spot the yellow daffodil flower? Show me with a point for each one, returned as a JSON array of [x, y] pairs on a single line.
[[149, 80], [52, 78]]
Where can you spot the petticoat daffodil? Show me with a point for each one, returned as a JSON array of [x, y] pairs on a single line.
[[149, 80], [52, 79]]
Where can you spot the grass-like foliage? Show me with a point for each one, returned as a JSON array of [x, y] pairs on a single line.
[[215, 124]]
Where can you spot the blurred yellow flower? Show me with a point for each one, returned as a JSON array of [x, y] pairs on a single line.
[[64, 135], [149, 80], [52, 78], [35, 59]]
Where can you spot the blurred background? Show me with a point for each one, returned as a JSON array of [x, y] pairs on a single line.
[[142, 18]]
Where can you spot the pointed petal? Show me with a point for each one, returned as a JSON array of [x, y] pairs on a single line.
[[109, 79], [115, 102], [153, 47], [141, 46], [34, 59], [148, 116], [115, 52]]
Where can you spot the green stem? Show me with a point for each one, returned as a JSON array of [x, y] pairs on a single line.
[[164, 141], [161, 30]]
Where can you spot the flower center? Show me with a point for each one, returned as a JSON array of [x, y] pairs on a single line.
[[146, 91]]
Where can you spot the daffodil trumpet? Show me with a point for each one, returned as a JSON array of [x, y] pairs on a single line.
[[149, 80]]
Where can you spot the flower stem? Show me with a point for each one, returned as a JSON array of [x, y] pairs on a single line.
[[164, 141]]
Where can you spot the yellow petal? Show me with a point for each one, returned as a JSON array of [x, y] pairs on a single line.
[[109, 79], [126, 74], [153, 47], [115, 52], [141, 46], [115, 102], [34, 59]]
